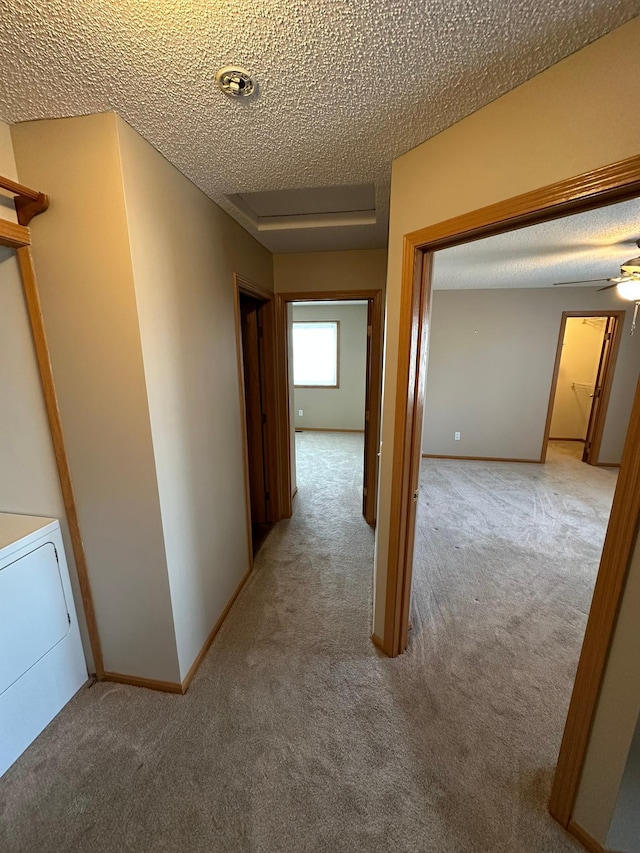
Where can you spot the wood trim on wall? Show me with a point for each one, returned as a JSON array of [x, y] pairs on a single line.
[[14, 236], [186, 681], [243, 420], [326, 429], [175, 686], [411, 377], [606, 388], [32, 298], [481, 458], [584, 838], [138, 681], [617, 182], [274, 463], [603, 615]]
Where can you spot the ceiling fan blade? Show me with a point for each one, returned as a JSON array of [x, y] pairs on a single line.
[[608, 287], [582, 281]]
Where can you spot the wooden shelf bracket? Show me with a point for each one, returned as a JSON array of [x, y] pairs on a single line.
[[29, 203]]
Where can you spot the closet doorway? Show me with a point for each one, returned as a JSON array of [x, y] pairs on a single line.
[[582, 377], [255, 338]]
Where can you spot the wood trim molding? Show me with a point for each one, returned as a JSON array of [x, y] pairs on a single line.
[[411, 375], [138, 681], [377, 642], [601, 186], [28, 202], [592, 189], [372, 426], [243, 419], [14, 236], [481, 458], [554, 385], [607, 384], [32, 298], [584, 838], [174, 686], [326, 429], [186, 681], [610, 583], [601, 413], [327, 295]]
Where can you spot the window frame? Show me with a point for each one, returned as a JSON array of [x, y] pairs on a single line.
[[325, 322]]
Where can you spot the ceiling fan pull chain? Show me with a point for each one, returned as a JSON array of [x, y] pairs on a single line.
[[635, 316]]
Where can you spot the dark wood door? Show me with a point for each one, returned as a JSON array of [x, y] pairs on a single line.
[[250, 324]]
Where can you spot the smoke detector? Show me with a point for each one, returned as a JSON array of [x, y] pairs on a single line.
[[235, 82]]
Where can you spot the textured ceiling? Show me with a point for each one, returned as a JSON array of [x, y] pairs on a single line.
[[583, 246], [344, 87]]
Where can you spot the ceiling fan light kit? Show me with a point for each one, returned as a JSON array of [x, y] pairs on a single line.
[[629, 289], [627, 284]]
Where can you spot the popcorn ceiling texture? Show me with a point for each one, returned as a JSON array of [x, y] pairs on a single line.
[[344, 86], [582, 246]]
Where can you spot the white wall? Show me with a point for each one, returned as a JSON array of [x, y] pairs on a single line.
[[577, 374], [490, 369], [342, 407], [29, 482], [525, 140], [184, 251]]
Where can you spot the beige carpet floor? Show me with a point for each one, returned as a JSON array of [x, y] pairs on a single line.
[[297, 735]]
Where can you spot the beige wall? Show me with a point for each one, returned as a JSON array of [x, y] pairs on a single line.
[[490, 368], [616, 719], [29, 482], [624, 833], [364, 269], [577, 374], [343, 407], [531, 137], [82, 257], [335, 271], [184, 251]]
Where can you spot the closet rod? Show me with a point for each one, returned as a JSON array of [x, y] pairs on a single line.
[[29, 203]]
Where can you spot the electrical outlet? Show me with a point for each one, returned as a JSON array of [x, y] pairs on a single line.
[[456, 436], [300, 413]]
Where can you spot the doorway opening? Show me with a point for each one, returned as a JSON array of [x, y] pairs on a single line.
[[255, 337], [581, 387], [615, 183], [332, 357], [329, 359]]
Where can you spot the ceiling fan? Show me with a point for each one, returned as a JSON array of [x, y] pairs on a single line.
[[627, 283]]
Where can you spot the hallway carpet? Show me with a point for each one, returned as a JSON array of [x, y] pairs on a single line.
[[297, 735]]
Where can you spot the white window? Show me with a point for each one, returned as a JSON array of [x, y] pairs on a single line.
[[315, 354]]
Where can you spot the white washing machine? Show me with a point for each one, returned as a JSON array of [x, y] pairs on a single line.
[[42, 664]]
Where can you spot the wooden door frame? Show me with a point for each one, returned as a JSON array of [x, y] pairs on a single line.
[[18, 237], [243, 285], [619, 316], [372, 426], [617, 182]]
